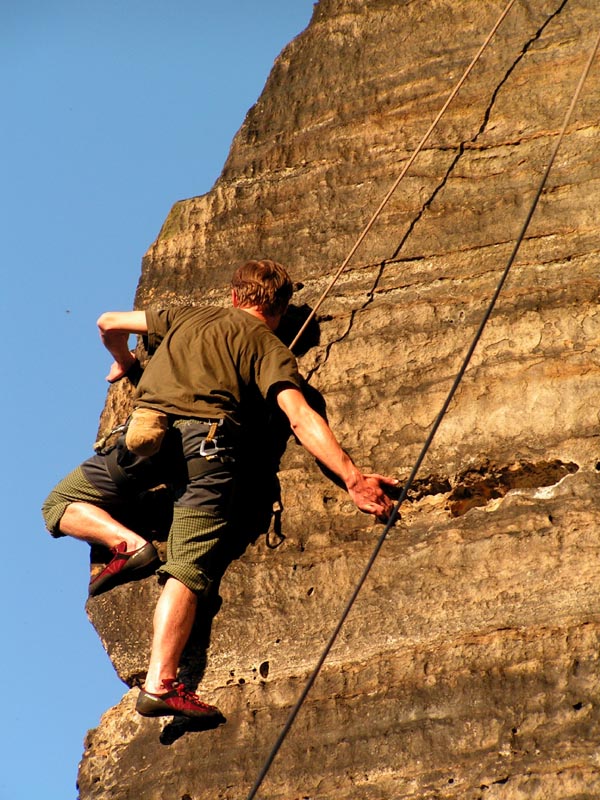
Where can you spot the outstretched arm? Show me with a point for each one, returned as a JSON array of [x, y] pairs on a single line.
[[316, 436], [115, 328]]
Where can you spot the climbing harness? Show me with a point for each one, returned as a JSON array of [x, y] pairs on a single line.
[[430, 437], [129, 469]]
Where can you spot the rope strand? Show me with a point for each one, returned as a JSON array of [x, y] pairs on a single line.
[[433, 431], [407, 166]]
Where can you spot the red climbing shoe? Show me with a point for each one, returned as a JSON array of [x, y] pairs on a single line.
[[121, 565], [177, 702]]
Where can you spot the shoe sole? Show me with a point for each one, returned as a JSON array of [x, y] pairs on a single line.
[[149, 706], [146, 556]]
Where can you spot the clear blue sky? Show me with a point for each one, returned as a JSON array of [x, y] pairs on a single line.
[[112, 110]]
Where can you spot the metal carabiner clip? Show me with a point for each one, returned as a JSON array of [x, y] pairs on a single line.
[[209, 448]]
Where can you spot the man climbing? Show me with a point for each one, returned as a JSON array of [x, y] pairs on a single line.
[[208, 366]]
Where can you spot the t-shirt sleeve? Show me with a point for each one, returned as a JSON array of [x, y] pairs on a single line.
[[277, 366], [159, 321]]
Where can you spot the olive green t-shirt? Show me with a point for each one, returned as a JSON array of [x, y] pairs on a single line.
[[211, 362]]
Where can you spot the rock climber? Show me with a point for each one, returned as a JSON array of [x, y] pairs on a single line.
[[207, 366]]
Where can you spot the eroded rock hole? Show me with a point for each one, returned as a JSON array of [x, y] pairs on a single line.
[[431, 485], [477, 486]]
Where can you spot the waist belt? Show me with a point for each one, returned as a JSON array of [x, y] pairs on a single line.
[[210, 447], [197, 467], [209, 457]]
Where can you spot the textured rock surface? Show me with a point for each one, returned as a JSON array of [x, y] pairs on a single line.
[[469, 665]]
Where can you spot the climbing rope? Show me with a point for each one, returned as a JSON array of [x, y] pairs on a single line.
[[407, 166], [429, 440]]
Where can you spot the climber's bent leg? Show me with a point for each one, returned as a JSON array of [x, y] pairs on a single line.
[[80, 508], [94, 525]]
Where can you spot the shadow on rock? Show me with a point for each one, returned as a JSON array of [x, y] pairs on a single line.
[[181, 725]]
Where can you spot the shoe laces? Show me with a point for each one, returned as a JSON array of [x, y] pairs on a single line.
[[185, 694]]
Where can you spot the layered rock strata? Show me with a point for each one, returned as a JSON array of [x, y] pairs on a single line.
[[468, 667]]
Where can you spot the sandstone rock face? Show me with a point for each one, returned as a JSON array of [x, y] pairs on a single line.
[[468, 667]]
